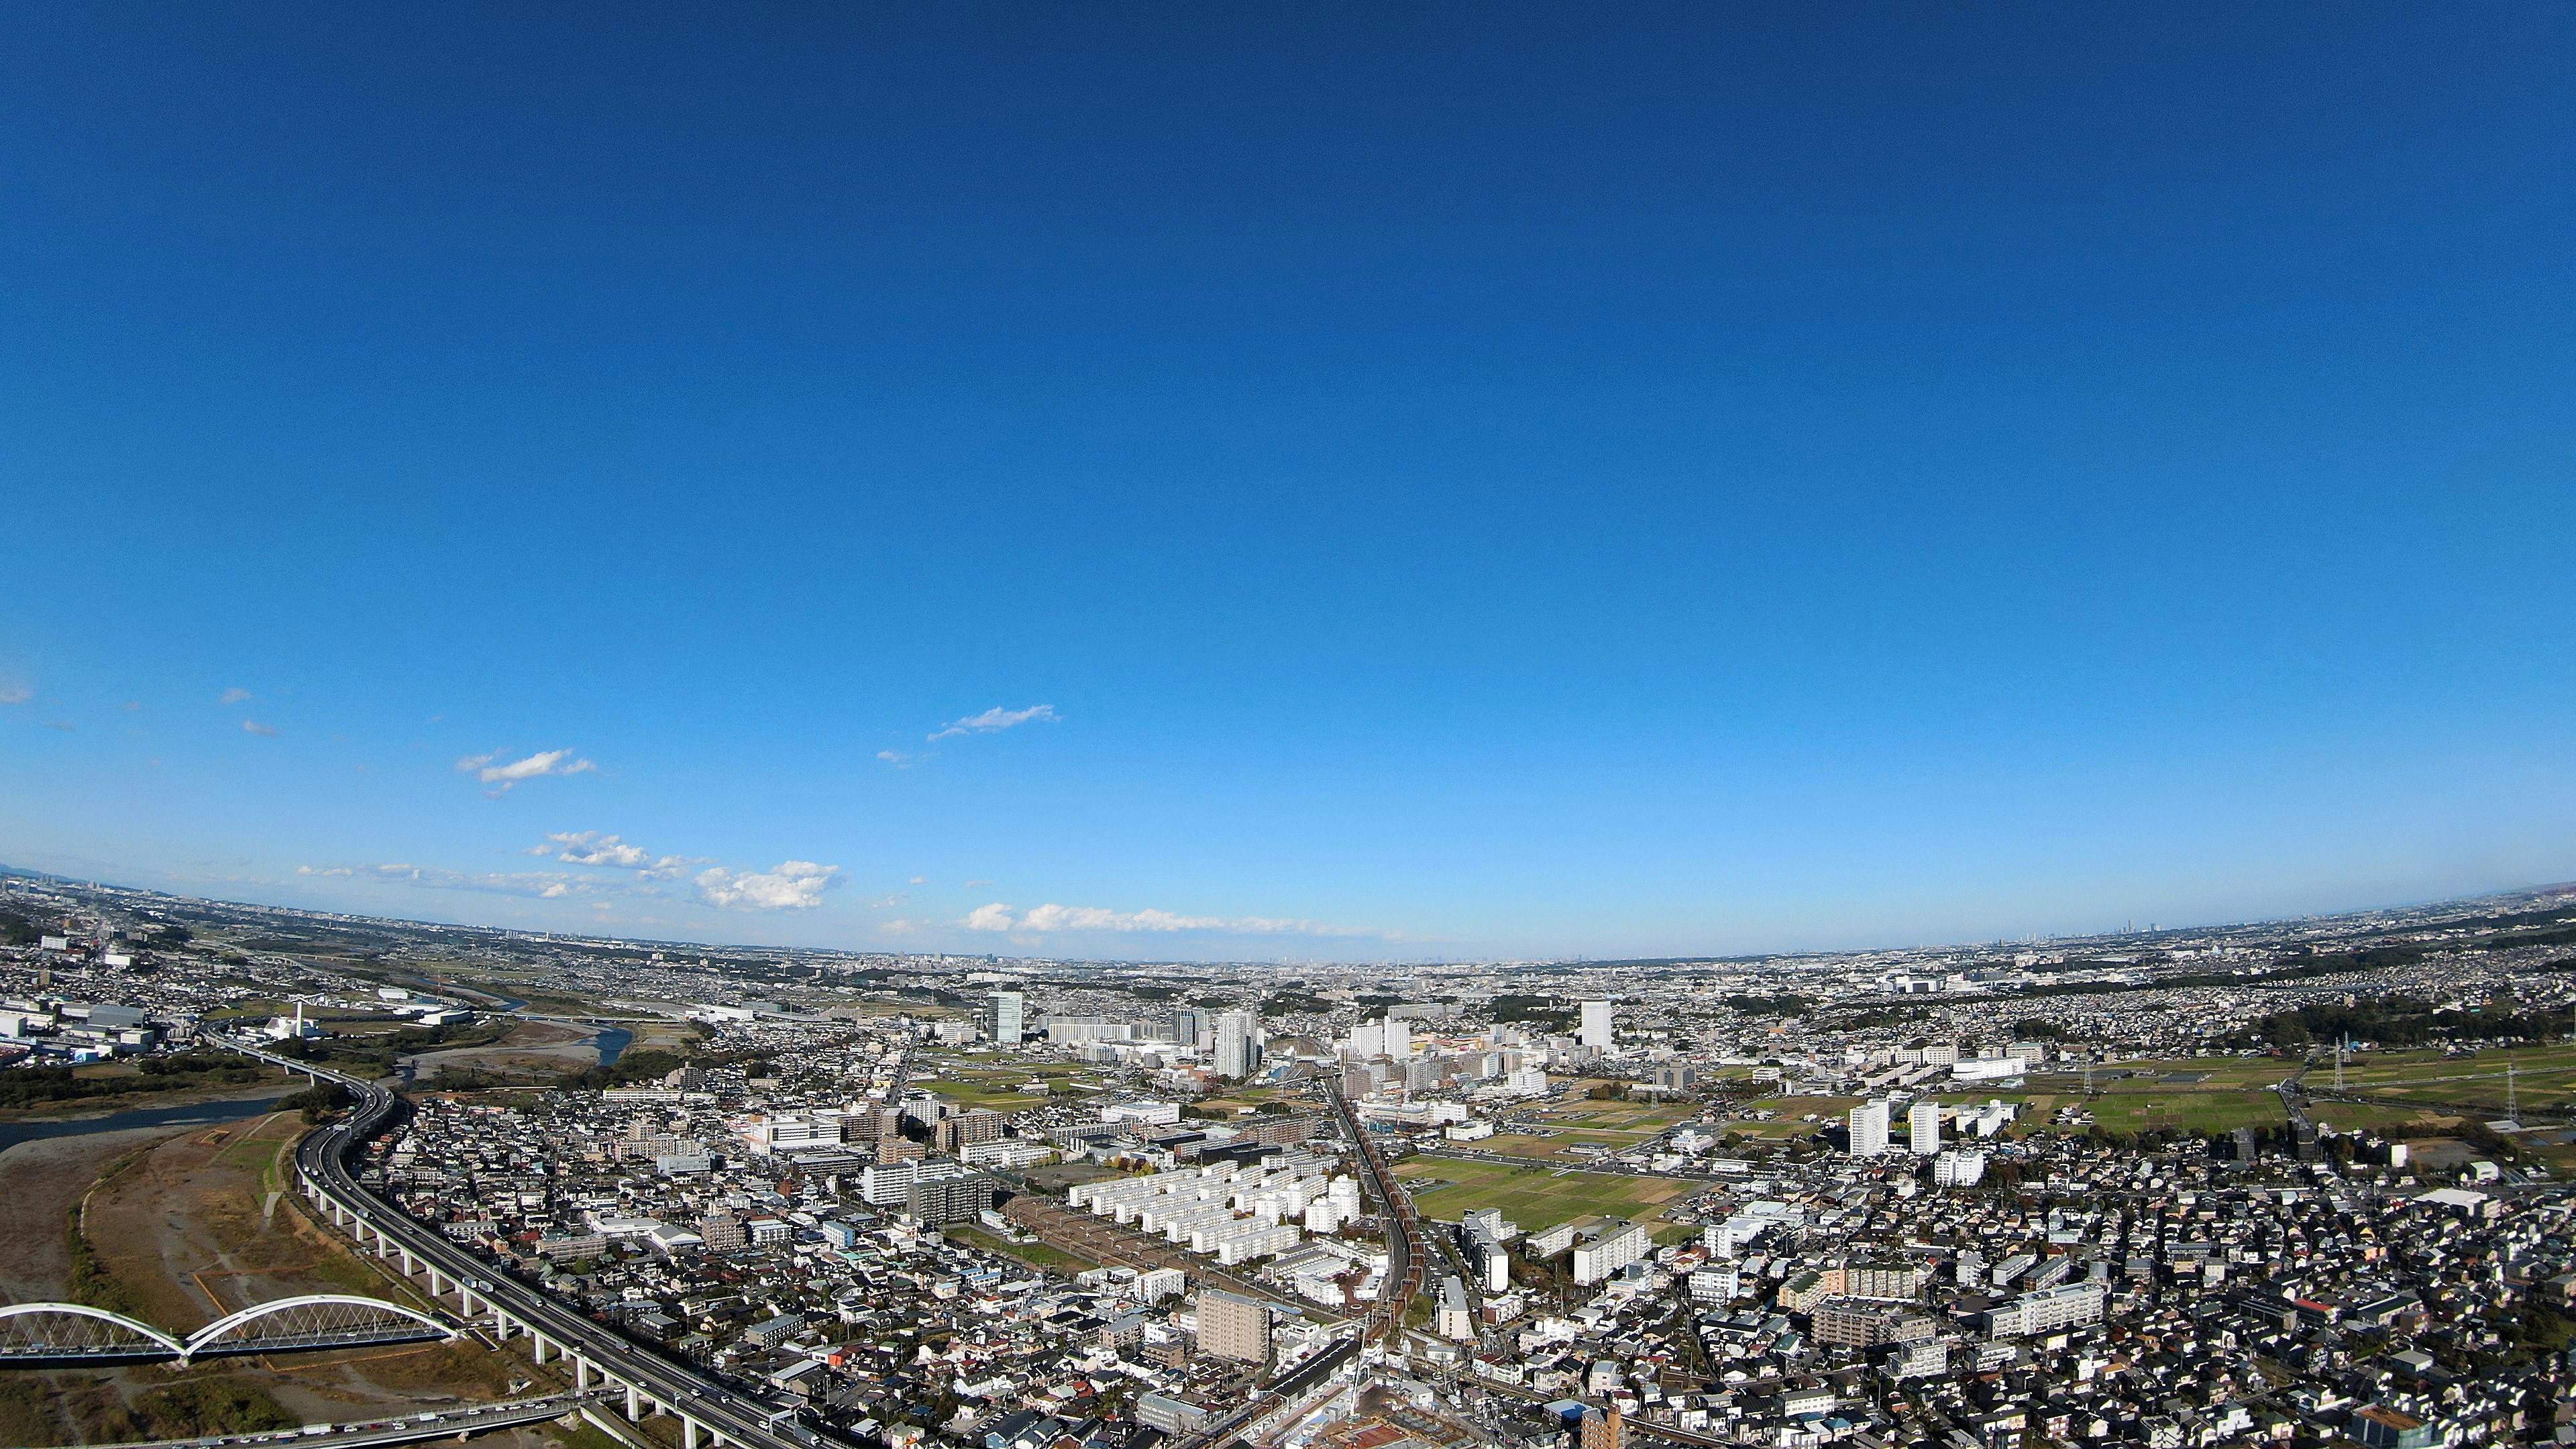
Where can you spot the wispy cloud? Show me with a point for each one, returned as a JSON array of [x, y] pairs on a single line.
[[503, 777], [234, 695], [792, 885], [59, 724], [998, 718], [977, 884], [254, 727], [589, 847], [1051, 918], [545, 885], [905, 759], [16, 694]]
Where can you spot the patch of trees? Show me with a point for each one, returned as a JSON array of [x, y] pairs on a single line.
[[1543, 1011], [638, 1064], [1287, 1002], [317, 1101], [2406, 1021], [17, 930], [1785, 1004], [42, 1085]]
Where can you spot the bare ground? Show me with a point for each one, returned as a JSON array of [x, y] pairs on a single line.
[[203, 1222]]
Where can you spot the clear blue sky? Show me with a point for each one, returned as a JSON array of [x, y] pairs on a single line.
[[1457, 479]]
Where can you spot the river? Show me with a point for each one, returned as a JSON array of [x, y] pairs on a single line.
[[194, 1114], [611, 1041]]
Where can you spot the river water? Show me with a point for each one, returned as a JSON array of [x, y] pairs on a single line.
[[198, 1114]]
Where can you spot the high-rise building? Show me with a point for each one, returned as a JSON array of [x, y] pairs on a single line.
[[1232, 1326], [1603, 1429], [1869, 1128], [1005, 1017], [1238, 1044], [942, 1192], [722, 1233], [1595, 1031], [1923, 1126], [1191, 1027]]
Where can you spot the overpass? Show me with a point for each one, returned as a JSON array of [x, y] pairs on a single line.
[[711, 1415]]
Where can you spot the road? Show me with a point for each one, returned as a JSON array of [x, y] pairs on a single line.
[[702, 1402], [410, 1429]]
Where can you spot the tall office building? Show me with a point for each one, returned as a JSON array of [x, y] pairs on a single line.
[[1005, 1017], [1191, 1027], [1869, 1128], [1231, 1326], [1924, 1125], [1238, 1044], [1595, 1031]]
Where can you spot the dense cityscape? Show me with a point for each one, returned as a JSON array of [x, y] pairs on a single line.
[[2297, 1182]]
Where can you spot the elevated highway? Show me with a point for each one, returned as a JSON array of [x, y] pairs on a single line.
[[710, 1413]]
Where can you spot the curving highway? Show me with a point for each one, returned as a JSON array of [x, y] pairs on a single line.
[[709, 1412]]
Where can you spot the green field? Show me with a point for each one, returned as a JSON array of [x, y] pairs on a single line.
[[2544, 1078], [1791, 1119], [979, 1085], [1036, 1255], [1534, 1196]]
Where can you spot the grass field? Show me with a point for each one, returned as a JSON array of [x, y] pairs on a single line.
[[2544, 1078], [1534, 1196], [1792, 1113], [1036, 1255], [1642, 1118], [979, 1085]]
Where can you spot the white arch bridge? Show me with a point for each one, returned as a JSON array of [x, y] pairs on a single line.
[[56, 1335]]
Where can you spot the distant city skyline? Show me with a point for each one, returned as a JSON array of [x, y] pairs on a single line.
[[1241, 485]]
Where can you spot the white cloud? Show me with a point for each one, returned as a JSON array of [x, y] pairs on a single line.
[[502, 777], [254, 727], [1055, 918], [977, 884], [919, 880], [998, 718], [904, 759], [792, 885], [234, 695], [16, 694], [535, 884], [589, 847]]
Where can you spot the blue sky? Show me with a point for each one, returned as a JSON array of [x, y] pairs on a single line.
[[1290, 481]]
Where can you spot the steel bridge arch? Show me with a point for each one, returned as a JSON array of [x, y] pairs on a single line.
[[206, 1337], [83, 1310]]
